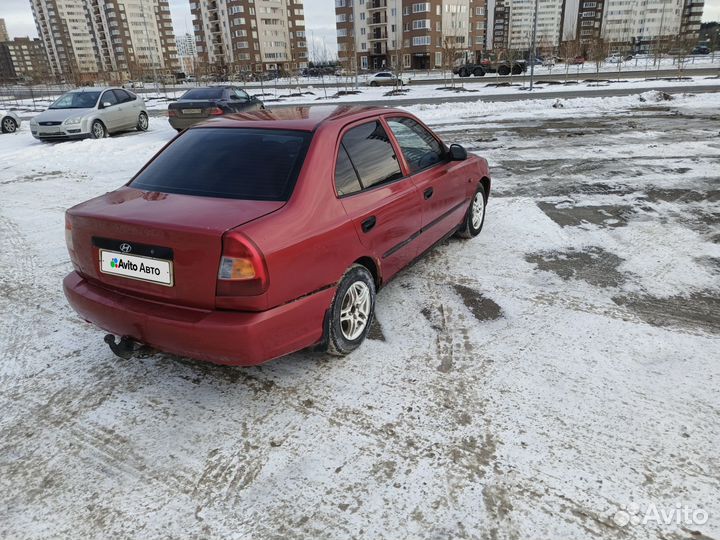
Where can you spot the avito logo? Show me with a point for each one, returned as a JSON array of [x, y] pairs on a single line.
[[129, 265]]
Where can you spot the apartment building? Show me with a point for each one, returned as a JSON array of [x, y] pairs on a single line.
[[187, 53], [691, 19], [99, 39], [641, 21], [3, 31], [23, 60], [237, 36], [375, 34], [582, 20]]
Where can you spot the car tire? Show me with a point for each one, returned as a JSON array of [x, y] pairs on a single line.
[[373, 83], [517, 70], [503, 71], [479, 72], [475, 216], [143, 122], [98, 130], [9, 125], [351, 311]]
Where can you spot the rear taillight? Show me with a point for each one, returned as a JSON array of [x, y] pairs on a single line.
[[69, 242], [172, 113], [215, 111], [242, 269]]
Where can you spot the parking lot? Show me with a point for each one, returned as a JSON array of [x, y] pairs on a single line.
[[538, 381]]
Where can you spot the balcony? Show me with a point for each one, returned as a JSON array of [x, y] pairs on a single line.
[[378, 34], [378, 48], [377, 18], [212, 6], [376, 4]]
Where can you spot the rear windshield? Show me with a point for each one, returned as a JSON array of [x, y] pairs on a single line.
[[230, 163], [203, 93]]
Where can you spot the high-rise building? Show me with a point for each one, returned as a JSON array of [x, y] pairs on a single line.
[[3, 31], [521, 20], [691, 19], [23, 60], [91, 39], [187, 53], [641, 20], [235, 36], [373, 34]]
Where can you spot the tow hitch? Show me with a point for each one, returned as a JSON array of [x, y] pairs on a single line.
[[126, 347]]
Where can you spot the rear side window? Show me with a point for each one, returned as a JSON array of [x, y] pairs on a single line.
[[372, 154], [122, 96], [203, 93], [346, 179], [255, 164]]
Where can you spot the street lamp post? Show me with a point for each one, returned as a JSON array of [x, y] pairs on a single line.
[[532, 51]]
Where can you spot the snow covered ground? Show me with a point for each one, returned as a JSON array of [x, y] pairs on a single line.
[[555, 377]]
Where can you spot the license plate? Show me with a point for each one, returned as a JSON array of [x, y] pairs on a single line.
[[192, 111], [134, 267], [49, 130]]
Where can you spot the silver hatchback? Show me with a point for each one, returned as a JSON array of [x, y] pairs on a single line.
[[90, 112]]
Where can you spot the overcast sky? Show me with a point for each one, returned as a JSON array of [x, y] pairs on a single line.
[[319, 20]]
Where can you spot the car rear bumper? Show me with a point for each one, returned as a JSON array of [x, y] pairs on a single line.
[[221, 337], [184, 123]]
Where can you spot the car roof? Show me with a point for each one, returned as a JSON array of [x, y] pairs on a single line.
[[94, 89], [298, 118]]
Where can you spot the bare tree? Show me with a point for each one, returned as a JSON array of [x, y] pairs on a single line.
[[597, 52]]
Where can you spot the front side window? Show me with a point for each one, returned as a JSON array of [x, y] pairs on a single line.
[[420, 148], [109, 97], [237, 163], [371, 152]]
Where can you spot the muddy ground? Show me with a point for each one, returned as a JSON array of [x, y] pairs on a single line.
[[532, 382]]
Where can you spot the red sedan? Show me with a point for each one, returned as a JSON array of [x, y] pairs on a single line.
[[256, 235]]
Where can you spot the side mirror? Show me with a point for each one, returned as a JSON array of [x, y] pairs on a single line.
[[106, 104], [457, 153]]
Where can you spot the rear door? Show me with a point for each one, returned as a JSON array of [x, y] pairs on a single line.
[[441, 183], [378, 198]]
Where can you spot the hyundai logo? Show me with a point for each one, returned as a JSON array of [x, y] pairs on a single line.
[[125, 247]]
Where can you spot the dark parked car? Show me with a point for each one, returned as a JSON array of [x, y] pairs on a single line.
[[503, 67], [701, 49], [259, 234], [202, 103]]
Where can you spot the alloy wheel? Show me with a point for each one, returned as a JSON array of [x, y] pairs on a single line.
[[9, 125], [478, 210], [355, 310]]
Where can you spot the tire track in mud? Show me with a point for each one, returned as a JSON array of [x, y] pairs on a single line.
[[18, 272]]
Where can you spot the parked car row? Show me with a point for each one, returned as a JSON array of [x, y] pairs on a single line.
[[102, 111]]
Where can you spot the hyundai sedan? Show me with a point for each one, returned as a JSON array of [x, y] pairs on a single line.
[[90, 112], [253, 236]]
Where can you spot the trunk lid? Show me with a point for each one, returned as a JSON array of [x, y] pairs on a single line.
[[185, 229], [193, 108]]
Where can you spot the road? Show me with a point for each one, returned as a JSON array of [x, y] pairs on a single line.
[[557, 75]]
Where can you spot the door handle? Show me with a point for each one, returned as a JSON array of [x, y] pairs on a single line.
[[428, 193], [368, 224]]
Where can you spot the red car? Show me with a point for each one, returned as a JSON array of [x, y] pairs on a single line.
[[256, 235]]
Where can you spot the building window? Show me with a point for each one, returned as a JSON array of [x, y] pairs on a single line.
[[419, 24], [406, 60], [421, 8], [438, 59], [419, 41], [479, 11], [363, 62]]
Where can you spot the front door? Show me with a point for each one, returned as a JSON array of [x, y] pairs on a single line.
[[440, 183], [382, 203]]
